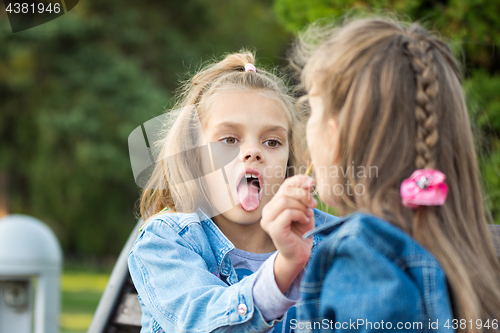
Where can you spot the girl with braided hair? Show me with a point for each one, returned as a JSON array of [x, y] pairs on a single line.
[[413, 251]]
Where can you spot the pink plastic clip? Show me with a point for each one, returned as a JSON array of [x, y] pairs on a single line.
[[425, 187]]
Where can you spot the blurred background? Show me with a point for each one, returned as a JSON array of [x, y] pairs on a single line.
[[73, 89]]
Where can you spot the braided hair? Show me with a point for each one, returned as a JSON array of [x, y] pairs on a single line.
[[422, 63]]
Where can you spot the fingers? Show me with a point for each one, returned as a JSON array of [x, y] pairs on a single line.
[[302, 195], [299, 188], [288, 215], [298, 181], [294, 193], [292, 215], [302, 226], [282, 221], [296, 198]]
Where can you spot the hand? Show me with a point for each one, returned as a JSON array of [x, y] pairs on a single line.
[[285, 218]]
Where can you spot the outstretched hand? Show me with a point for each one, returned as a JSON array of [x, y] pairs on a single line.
[[285, 218]]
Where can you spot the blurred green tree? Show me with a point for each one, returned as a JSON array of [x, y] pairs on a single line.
[[72, 90], [472, 28]]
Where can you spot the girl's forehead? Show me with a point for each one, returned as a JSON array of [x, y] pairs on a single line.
[[246, 108]]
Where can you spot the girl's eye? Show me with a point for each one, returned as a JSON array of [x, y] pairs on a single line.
[[230, 140], [273, 143]]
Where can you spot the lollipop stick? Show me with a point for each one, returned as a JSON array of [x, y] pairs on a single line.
[[309, 169]]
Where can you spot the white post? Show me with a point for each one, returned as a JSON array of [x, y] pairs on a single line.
[[15, 306], [29, 252]]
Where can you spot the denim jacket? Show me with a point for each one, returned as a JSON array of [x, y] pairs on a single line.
[[368, 275], [185, 280]]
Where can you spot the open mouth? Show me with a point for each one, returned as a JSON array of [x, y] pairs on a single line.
[[249, 191]]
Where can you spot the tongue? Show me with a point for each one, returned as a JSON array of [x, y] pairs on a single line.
[[249, 196]]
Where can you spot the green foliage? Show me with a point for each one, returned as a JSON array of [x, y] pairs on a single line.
[[484, 101], [471, 27], [484, 107], [72, 90]]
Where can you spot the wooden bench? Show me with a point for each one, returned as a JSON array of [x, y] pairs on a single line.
[[119, 310]]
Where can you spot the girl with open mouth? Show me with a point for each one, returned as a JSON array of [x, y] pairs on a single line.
[[222, 246]]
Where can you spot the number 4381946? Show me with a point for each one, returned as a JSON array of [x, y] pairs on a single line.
[[26, 8], [480, 324]]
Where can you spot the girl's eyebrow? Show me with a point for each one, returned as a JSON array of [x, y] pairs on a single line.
[[228, 124], [275, 128], [268, 128]]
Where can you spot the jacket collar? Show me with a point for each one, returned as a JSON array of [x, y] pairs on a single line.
[[328, 227], [219, 243]]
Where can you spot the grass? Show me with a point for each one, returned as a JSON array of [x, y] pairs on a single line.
[[81, 291]]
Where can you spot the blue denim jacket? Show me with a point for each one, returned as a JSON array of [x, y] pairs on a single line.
[[185, 280], [368, 275]]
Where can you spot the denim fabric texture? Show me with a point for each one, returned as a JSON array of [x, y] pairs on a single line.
[[368, 275], [185, 279]]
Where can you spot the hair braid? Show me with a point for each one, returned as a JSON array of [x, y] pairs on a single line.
[[422, 63]]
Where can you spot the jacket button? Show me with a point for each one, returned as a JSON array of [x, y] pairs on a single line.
[[242, 309]]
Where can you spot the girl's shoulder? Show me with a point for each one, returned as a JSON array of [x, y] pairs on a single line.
[[366, 250], [377, 234], [172, 219]]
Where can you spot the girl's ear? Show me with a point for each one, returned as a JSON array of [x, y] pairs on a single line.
[[333, 129]]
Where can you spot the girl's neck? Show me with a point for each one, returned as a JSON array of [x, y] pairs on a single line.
[[249, 237]]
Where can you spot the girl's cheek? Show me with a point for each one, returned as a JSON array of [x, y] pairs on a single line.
[[273, 178], [310, 130], [277, 156]]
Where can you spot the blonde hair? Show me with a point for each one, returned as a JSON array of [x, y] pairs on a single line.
[[395, 91], [182, 131]]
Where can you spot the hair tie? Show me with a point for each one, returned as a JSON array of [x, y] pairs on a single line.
[[425, 187], [250, 67]]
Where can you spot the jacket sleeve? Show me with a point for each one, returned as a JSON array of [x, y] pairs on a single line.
[[180, 293], [362, 291]]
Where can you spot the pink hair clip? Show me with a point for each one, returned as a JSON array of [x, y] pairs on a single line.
[[425, 187], [250, 67]]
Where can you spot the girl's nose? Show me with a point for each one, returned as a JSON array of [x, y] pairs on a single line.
[[252, 154]]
